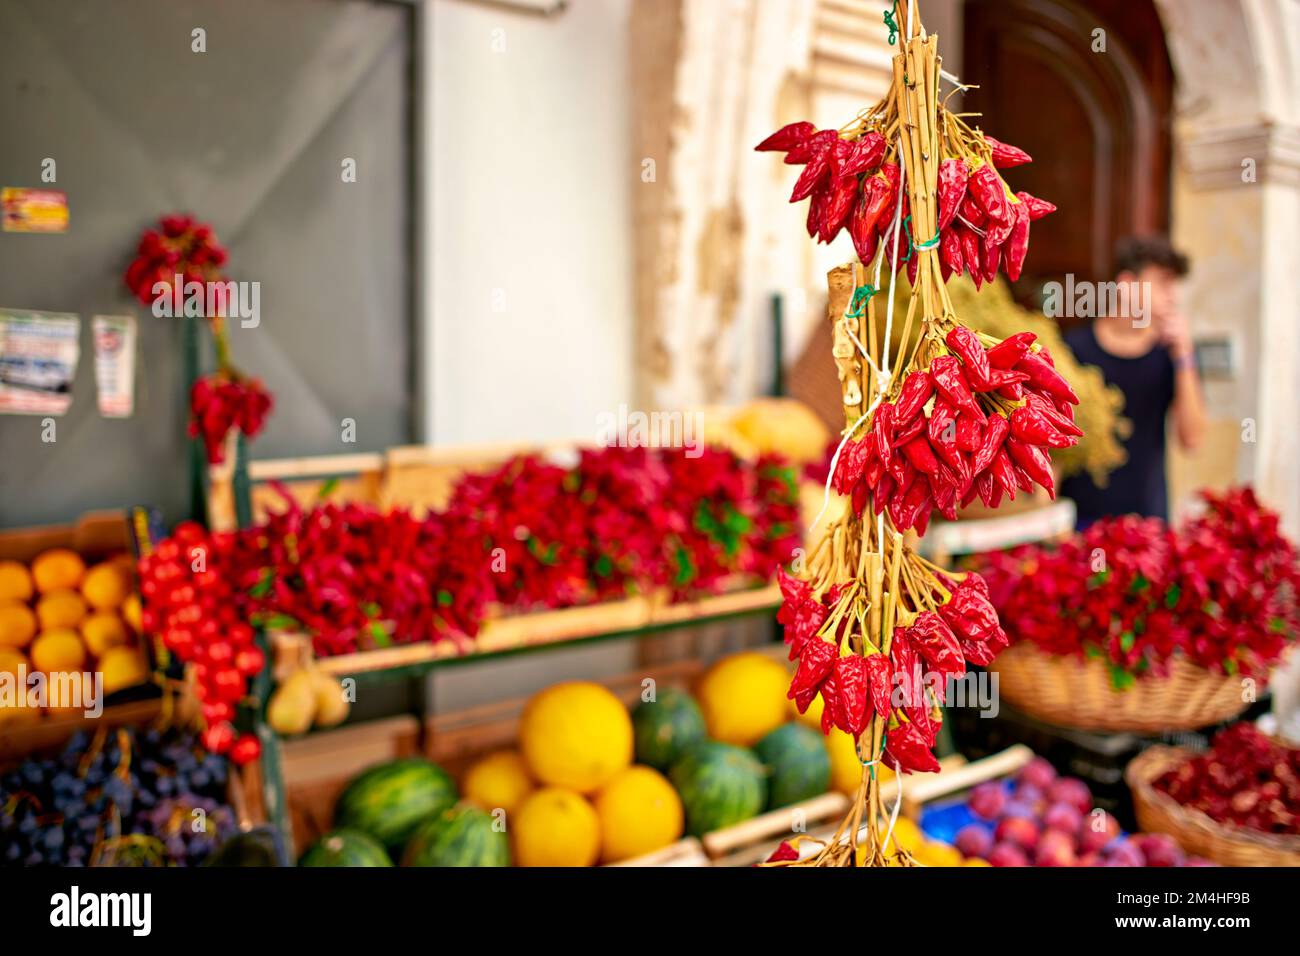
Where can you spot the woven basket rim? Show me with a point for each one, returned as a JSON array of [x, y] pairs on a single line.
[[1150, 763], [1177, 660]]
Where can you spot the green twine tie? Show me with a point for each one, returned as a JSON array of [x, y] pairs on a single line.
[[912, 243], [858, 305], [892, 23]]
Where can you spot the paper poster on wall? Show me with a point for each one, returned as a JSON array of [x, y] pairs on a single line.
[[114, 337], [34, 210], [38, 361]]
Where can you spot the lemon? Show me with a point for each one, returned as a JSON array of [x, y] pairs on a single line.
[[11, 659], [17, 624], [58, 569], [975, 861], [122, 667], [106, 586], [103, 630], [934, 853], [576, 735], [743, 697], [812, 716], [639, 812], [907, 835], [131, 612], [59, 609], [59, 649], [15, 582], [556, 827], [500, 779]]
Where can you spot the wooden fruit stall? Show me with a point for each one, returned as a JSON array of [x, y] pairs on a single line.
[[302, 775]]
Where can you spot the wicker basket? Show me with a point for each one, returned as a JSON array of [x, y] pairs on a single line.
[[1074, 692], [1196, 832]]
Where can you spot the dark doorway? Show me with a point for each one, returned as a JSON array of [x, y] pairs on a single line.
[[1096, 122]]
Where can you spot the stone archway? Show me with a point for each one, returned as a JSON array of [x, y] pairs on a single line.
[[1237, 212]]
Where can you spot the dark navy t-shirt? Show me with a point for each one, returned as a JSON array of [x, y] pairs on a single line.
[[1137, 486]]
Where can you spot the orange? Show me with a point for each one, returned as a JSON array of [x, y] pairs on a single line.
[[15, 582], [10, 660], [58, 650], [131, 612], [57, 569], [104, 630], [17, 624], [105, 586], [60, 609], [122, 667]]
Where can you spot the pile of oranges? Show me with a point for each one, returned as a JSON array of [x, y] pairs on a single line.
[[59, 616]]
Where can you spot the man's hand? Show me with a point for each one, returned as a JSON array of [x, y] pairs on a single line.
[[1175, 335]]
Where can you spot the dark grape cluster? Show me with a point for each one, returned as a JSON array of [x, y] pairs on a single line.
[[133, 796]]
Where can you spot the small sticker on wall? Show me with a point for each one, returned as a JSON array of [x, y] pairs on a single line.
[[34, 210], [115, 364], [38, 361]]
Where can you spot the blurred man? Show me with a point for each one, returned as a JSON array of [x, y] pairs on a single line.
[[1142, 345]]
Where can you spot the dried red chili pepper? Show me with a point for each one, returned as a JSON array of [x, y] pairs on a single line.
[[862, 221], [1003, 470], [881, 426], [853, 682], [816, 659], [953, 174], [996, 429], [1005, 155], [936, 642], [1011, 350], [970, 255], [989, 256], [969, 613], [1031, 426], [783, 853], [967, 345], [970, 212], [920, 454], [817, 171], [882, 493], [838, 206], [1017, 242], [990, 193], [915, 502], [813, 221], [950, 252], [1035, 463], [818, 143], [1062, 421], [891, 176], [860, 155], [907, 751], [909, 431], [915, 393], [1037, 208], [970, 432], [984, 486], [913, 264], [948, 379], [787, 137], [1045, 377], [880, 675]]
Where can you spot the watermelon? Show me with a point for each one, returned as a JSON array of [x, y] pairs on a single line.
[[390, 800], [346, 848], [720, 784], [666, 728], [461, 836], [798, 765]]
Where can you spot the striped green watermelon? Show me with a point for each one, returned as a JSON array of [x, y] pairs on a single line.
[[797, 763], [461, 836], [346, 848], [666, 728], [390, 800], [719, 784]]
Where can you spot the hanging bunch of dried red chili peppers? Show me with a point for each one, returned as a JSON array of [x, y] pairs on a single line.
[[940, 417]]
